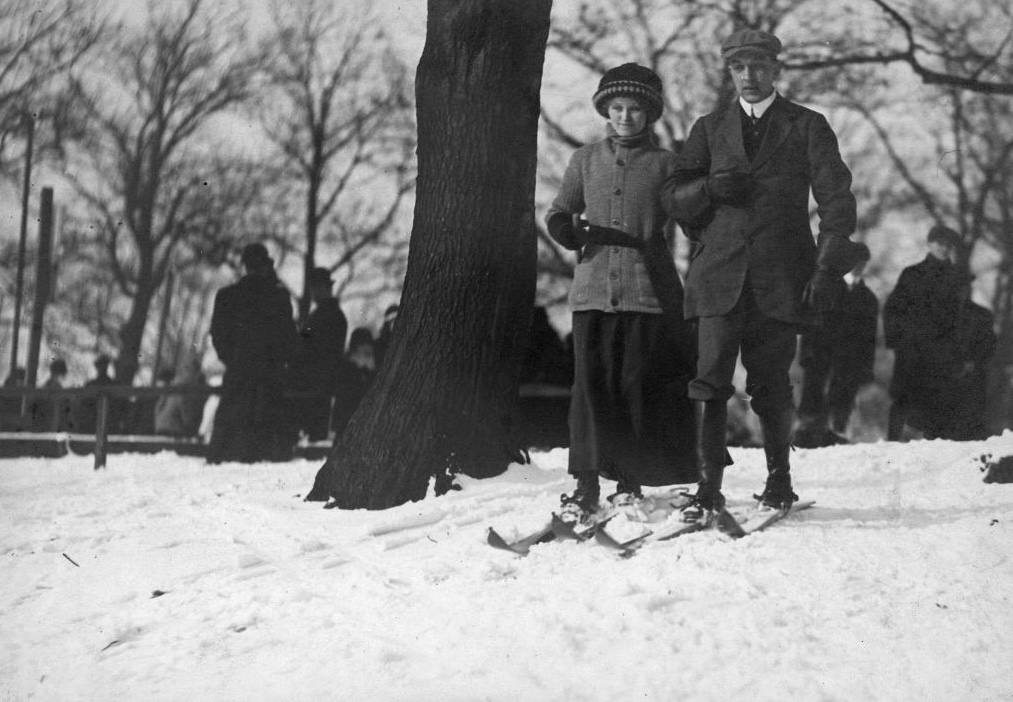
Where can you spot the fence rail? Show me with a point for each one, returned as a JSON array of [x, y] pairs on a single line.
[[101, 395], [543, 410]]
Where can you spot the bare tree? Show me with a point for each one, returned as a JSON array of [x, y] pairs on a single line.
[[967, 46], [150, 175], [342, 123], [40, 44], [445, 393]]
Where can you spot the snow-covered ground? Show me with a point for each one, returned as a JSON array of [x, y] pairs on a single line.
[[161, 578]]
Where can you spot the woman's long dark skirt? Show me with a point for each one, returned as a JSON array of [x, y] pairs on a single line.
[[629, 414]]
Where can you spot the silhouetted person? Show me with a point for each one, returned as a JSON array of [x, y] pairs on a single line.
[[838, 359], [86, 416], [172, 413], [976, 342], [10, 407], [920, 321], [321, 354], [546, 359], [254, 335], [356, 374], [52, 414]]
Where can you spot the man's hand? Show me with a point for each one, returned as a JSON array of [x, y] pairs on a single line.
[[822, 291], [729, 188]]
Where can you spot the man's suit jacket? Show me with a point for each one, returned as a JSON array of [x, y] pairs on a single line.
[[769, 237]]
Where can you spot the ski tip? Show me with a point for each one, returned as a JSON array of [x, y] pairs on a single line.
[[727, 524], [494, 539]]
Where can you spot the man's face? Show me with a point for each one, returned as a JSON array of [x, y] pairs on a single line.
[[941, 250], [753, 75]]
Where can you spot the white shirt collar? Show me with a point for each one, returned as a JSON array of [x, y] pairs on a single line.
[[758, 108]]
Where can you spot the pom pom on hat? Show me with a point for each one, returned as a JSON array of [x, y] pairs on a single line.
[[630, 80]]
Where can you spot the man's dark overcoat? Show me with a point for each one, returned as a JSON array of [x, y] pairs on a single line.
[[920, 321], [317, 376], [769, 238], [839, 357], [254, 335]]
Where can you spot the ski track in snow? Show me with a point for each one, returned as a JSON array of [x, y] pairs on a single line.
[[161, 578]]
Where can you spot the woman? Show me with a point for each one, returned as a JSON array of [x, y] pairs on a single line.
[[630, 420]]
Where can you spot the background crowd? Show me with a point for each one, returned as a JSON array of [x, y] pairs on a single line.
[[282, 383]]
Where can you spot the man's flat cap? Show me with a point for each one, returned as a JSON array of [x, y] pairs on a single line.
[[750, 40]]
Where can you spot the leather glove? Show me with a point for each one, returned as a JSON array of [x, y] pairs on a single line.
[[822, 291], [730, 187]]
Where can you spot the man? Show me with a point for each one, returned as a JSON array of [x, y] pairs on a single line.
[[322, 353], [254, 335], [740, 190], [87, 409], [837, 358], [53, 414], [976, 342], [920, 321]]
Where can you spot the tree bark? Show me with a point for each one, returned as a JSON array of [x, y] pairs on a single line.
[[443, 400]]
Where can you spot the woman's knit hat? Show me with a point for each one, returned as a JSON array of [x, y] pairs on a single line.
[[630, 80]]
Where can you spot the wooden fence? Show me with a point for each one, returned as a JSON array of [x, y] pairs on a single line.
[[542, 420]]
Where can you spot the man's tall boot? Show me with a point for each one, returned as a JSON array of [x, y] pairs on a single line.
[[711, 418], [777, 494]]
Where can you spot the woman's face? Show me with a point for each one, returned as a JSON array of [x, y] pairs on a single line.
[[626, 116]]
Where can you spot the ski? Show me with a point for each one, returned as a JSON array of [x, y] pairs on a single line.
[[523, 545], [762, 520], [561, 530], [725, 523], [625, 548], [729, 525], [568, 531]]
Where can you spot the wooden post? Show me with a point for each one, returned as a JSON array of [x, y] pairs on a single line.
[[43, 269], [101, 427], [22, 243]]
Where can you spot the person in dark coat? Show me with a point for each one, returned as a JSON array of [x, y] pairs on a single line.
[[53, 414], [253, 332], [920, 322], [837, 359], [546, 359], [741, 190], [976, 342], [10, 407], [321, 353], [630, 420], [118, 409], [355, 375]]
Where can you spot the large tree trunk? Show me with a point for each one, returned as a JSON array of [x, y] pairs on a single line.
[[444, 397]]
